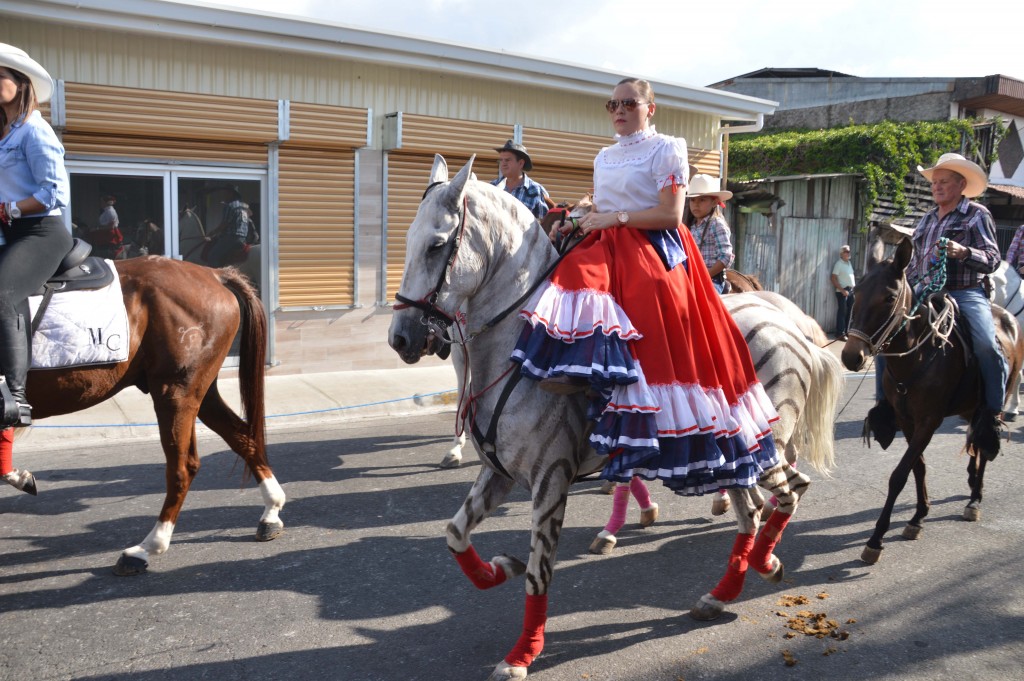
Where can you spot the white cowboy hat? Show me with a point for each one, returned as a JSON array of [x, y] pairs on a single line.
[[705, 185], [977, 180], [15, 59]]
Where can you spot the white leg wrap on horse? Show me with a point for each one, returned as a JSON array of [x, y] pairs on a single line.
[[159, 539], [273, 499]]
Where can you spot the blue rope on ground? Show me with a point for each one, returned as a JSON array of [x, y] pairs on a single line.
[[269, 416]]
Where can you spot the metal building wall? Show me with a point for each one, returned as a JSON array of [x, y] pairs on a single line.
[[160, 63]]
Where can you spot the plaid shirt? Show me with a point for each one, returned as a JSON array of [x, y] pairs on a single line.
[[714, 240], [1015, 252], [969, 224], [531, 194]]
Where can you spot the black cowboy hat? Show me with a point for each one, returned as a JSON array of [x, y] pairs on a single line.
[[519, 150]]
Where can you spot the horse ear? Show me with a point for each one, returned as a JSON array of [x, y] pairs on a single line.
[[457, 188], [904, 251], [439, 173]]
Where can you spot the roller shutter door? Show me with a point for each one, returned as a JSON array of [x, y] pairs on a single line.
[[316, 237], [317, 206]]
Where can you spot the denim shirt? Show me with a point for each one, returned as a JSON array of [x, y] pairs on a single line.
[[32, 164]]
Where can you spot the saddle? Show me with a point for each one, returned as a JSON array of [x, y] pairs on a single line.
[[78, 271]]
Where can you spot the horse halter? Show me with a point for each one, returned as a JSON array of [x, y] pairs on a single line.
[[885, 334], [428, 304]]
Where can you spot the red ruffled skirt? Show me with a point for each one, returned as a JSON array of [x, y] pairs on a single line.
[[675, 394]]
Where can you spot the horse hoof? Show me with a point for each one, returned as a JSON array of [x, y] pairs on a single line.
[[912, 531], [649, 516], [720, 505], [505, 672], [451, 461], [776, 573], [972, 514], [130, 565], [511, 566], [870, 555], [267, 531], [602, 546], [23, 480], [607, 487], [708, 608]]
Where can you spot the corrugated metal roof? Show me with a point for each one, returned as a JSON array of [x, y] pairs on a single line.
[[288, 33], [1016, 192]]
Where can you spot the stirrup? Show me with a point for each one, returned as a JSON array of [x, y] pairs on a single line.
[[13, 412]]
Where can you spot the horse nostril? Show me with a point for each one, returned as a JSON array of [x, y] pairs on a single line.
[[398, 342]]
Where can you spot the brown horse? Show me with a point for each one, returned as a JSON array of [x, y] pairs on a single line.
[[182, 320], [927, 378], [742, 283]]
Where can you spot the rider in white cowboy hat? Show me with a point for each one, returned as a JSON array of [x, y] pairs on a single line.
[[971, 254], [34, 191], [709, 228]]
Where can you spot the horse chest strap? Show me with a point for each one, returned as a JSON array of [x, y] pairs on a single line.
[[488, 442]]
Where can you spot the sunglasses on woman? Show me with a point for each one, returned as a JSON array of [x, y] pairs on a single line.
[[628, 104]]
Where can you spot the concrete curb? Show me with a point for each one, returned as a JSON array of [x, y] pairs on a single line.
[[292, 401]]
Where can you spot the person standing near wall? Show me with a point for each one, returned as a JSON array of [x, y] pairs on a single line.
[[843, 282], [513, 162]]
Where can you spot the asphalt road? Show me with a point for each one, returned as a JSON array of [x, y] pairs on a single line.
[[361, 587]]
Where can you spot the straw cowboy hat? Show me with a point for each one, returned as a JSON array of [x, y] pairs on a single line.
[[705, 185], [977, 180], [15, 59], [519, 150]]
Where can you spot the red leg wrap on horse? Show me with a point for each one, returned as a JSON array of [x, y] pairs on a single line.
[[760, 557], [531, 642], [6, 451], [732, 583], [483, 575]]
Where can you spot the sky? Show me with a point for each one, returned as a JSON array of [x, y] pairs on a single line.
[[699, 43]]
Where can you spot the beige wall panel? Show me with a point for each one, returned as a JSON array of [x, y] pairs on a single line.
[[316, 241], [564, 184], [102, 108], [319, 125], [430, 134], [563, 148], [106, 146], [707, 162], [115, 58]]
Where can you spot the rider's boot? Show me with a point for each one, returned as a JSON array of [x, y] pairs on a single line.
[[14, 360], [881, 423], [984, 432]]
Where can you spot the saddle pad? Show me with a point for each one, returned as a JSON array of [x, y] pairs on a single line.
[[80, 328]]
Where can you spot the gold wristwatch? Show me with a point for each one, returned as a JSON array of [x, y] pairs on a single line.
[[623, 217]]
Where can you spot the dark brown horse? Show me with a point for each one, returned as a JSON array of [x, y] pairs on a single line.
[[926, 379], [742, 283], [182, 320]]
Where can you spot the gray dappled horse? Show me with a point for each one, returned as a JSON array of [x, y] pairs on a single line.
[[472, 252]]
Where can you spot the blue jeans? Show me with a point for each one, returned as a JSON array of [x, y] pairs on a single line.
[[976, 312], [844, 309]]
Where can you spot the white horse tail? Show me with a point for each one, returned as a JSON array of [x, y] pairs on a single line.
[[815, 429]]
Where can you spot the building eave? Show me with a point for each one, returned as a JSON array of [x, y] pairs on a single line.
[[213, 23]]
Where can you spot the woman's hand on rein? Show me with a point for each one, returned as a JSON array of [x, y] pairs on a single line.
[[591, 222]]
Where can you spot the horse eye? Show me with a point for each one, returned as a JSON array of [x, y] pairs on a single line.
[[436, 247]]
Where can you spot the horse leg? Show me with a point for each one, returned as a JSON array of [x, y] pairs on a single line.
[[975, 478], [748, 516], [897, 481], [549, 495], [178, 436], [453, 459], [488, 492], [221, 419], [916, 524], [777, 481]]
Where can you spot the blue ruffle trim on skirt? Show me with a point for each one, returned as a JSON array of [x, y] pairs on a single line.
[[603, 359]]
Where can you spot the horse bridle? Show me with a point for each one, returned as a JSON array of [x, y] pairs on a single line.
[[441, 320], [885, 334], [428, 303]]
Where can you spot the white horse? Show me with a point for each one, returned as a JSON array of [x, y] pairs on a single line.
[[473, 253], [1008, 293]]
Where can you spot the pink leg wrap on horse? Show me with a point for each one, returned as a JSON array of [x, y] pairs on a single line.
[[760, 557], [483, 575], [6, 451], [732, 583], [619, 505], [640, 492], [531, 641]]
